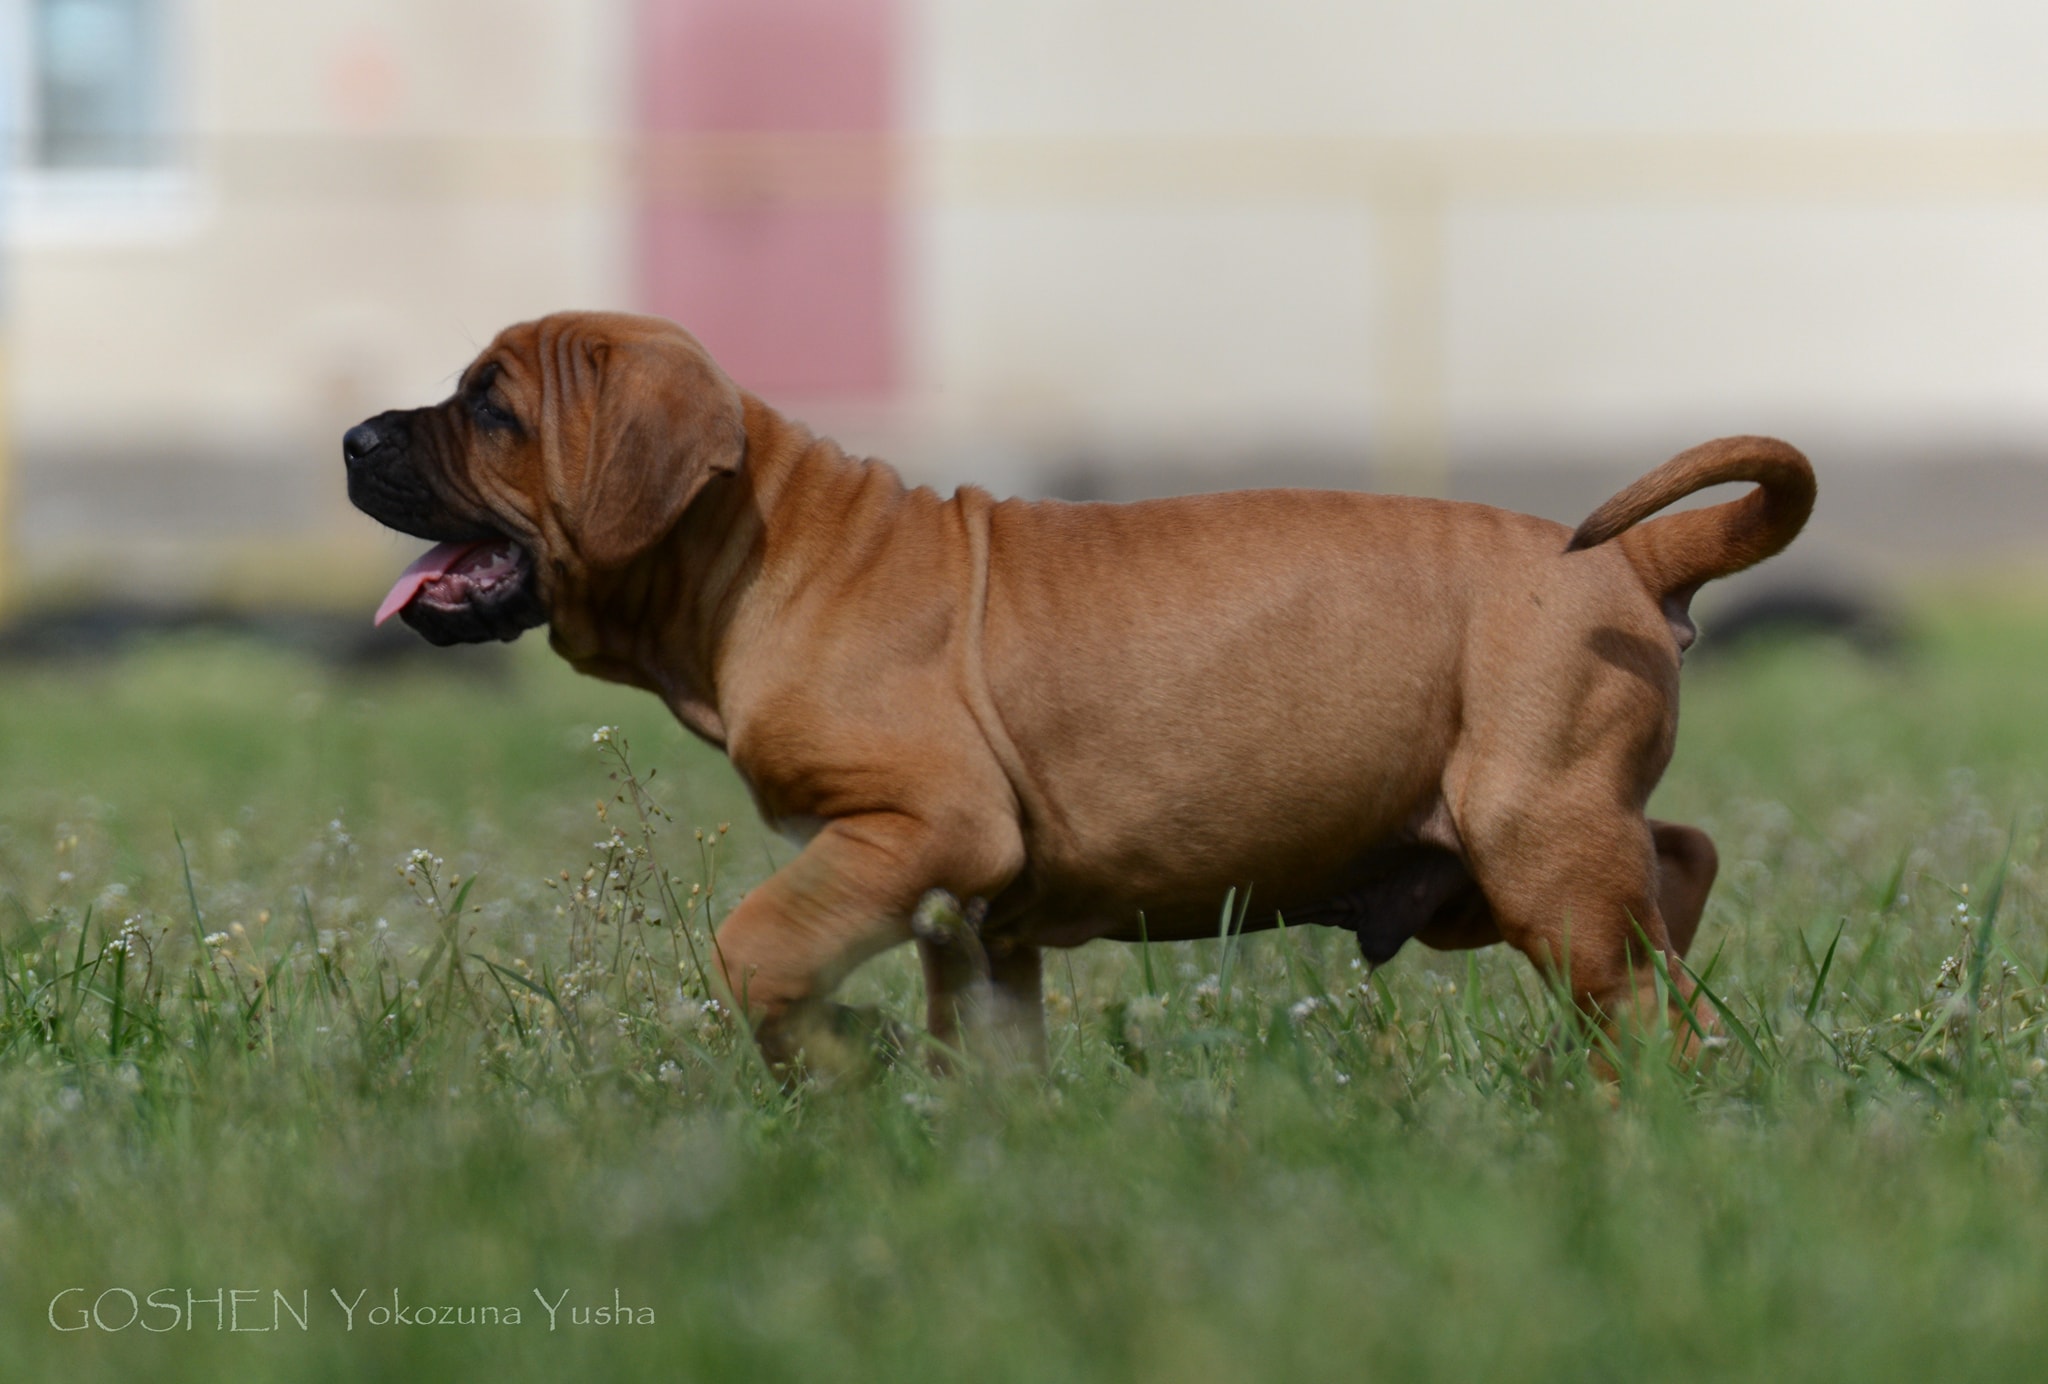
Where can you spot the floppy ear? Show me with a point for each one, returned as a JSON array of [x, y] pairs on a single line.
[[667, 421]]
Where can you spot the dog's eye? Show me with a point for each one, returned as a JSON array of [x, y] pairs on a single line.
[[492, 414]]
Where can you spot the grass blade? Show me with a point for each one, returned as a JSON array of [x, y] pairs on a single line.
[[1820, 978], [1742, 1032]]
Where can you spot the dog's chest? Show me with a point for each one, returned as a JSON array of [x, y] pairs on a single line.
[[796, 828], [786, 819]]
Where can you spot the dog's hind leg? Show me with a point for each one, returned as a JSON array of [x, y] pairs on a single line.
[[1686, 866], [1576, 888]]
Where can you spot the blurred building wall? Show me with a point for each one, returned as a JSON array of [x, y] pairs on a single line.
[[1088, 246], [1488, 247], [342, 201], [769, 218]]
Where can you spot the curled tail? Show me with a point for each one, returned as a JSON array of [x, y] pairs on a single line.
[[1679, 552]]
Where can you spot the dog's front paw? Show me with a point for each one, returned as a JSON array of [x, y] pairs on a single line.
[[868, 1034], [831, 1043]]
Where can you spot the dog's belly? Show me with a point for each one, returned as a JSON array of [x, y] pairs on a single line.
[[1176, 864], [1385, 890], [1383, 893]]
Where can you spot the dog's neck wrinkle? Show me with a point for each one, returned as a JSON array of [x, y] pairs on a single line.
[[710, 562], [634, 625], [801, 480], [719, 575], [801, 486]]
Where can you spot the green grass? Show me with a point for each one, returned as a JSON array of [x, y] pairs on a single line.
[[1270, 1168]]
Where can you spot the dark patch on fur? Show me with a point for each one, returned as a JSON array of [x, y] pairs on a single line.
[[1397, 892]]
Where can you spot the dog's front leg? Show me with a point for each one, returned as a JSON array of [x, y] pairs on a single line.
[[1016, 1017], [957, 988], [983, 995], [846, 897]]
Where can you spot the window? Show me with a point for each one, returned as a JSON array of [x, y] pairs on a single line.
[[97, 98], [94, 152]]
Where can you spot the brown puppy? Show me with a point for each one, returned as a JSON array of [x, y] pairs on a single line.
[[1404, 717]]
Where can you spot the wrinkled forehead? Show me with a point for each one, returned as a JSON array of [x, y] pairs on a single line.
[[514, 350], [533, 354], [527, 346]]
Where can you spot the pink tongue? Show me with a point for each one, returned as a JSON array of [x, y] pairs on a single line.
[[436, 561]]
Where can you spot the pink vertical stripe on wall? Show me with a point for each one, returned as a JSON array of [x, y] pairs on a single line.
[[767, 225]]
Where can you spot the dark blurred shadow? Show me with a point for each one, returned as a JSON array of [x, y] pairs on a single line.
[[1803, 610], [346, 642]]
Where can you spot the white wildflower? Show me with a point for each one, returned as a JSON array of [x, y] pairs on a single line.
[[1146, 1009]]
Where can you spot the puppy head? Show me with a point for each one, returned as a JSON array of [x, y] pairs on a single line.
[[570, 448]]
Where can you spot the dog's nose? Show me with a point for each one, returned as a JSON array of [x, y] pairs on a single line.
[[359, 441]]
